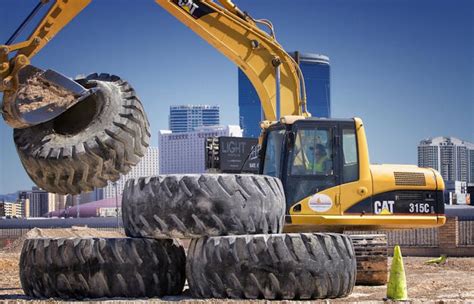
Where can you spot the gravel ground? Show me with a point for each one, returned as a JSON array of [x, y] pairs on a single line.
[[449, 283]]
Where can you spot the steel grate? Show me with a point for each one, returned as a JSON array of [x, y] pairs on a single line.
[[409, 179]]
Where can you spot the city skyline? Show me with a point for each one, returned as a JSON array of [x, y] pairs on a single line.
[[40, 202], [407, 79], [451, 156], [185, 152]]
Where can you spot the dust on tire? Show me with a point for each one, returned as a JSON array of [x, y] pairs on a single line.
[[93, 142], [198, 205], [78, 268], [281, 266]]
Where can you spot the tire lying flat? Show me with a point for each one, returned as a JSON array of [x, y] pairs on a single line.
[[93, 142], [282, 266], [192, 206], [78, 268]]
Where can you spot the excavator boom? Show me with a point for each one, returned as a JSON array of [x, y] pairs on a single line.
[[257, 53], [323, 164], [273, 72]]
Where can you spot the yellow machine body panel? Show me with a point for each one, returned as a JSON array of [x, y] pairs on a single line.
[[382, 196]]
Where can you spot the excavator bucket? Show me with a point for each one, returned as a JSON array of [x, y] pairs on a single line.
[[44, 95]]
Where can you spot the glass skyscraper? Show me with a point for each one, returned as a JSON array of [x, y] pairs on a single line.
[[316, 73], [186, 118]]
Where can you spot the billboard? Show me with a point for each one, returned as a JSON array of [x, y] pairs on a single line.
[[238, 154]]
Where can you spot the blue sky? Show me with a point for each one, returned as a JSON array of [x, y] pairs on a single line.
[[406, 67]]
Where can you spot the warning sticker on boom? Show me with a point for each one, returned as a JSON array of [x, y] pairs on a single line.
[[194, 7]]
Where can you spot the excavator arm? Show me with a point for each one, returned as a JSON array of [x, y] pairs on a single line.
[[271, 70], [257, 53], [58, 16]]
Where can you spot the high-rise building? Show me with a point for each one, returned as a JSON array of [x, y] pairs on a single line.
[[250, 108], [449, 155], [11, 209], [316, 74], [470, 179], [147, 166], [25, 205], [38, 202], [185, 152], [56, 201], [186, 118]]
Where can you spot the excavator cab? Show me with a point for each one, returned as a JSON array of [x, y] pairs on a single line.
[[310, 155], [330, 184]]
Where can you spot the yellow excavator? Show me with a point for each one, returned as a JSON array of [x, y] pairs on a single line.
[[323, 164]]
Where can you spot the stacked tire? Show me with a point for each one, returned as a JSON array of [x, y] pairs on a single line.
[[237, 248], [235, 221], [82, 268], [91, 143]]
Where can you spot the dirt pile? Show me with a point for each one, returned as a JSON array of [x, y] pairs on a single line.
[[37, 93], [16, 246]]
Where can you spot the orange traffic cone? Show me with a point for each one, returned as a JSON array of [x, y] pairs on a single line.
[[397, 283]]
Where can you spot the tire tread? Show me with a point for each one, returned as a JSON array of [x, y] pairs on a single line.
[[280, 267], [111, 149], [190, 206], [77, 268]]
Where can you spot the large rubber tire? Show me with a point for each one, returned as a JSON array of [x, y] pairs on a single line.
[[78, 268], [93, 142], [192, 206], [282, 266]]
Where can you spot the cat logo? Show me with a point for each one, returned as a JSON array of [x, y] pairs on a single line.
[[188, 5], [383, 207], [195, 8]]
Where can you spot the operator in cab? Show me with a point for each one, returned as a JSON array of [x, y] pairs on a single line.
[[311, 156]]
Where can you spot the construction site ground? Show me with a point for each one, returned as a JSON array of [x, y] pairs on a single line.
[[452, 282]]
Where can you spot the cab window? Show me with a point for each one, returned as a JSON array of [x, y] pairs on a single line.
[[273, 153], [312, 152], [350, 166]]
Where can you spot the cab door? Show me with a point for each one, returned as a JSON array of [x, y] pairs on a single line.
[[356, 179], [311, 179]]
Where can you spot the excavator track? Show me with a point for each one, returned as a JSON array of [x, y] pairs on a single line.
[[372, 260]]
